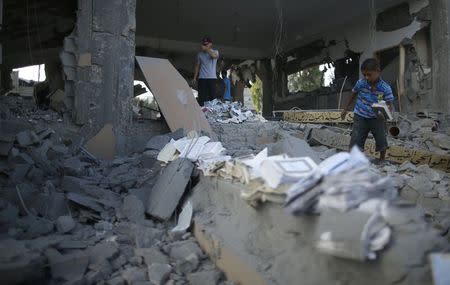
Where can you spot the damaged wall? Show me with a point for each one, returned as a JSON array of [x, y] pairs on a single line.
[[356, 36], [98, 62]]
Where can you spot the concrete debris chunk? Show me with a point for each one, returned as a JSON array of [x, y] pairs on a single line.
[[103, 251], [65, 224], [188, 265], [440, 263], [26, 138], [119, 280], [151, 255], [207, 277], [73, 166], [183, 249], [69, 267], [293, 147], [131, 275], [169, 188], [133, 208], [157, 142], [184, 220], [159, 273]]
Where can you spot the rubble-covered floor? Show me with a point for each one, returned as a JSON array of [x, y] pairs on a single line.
[[427, 187], [60, 206], [68, 218]]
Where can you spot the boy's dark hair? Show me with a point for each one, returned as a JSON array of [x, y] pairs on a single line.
[[371, 64]]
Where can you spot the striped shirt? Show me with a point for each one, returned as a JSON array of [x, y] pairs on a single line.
[[367, 97]]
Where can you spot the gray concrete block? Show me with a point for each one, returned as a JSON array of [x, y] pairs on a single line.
[[159, 273], [151, 255], [189, 264], [65, 224], [133, 208], [119, 280], [24, 138], [134, 274], [181, 250], [103, 251], [169, 189], [69, 267], [73, 166], [157, 142], [207, 277], [294, 147]]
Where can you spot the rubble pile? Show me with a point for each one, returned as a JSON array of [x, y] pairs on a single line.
[[67, 217], [228, 112], [422, 133]]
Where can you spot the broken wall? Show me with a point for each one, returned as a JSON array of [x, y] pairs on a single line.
[[426, 77], [98, 63]]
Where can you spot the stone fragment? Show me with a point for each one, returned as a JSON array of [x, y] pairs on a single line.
[[103, 251], [133, 208], [159, 273], [69, 267], [169, 189], [151, 255], [134, 274], [407, 166], [420, 183], [208, 277], [157, 142], [188, 265], [182, 249], [119, 262], [431, 174], [37, 227], [73, 166], [24, 138], [103, 226], [65, 224], [116, 281]]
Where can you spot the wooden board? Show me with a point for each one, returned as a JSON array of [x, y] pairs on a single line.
[[398, 154], [316, 117], [174, 96]]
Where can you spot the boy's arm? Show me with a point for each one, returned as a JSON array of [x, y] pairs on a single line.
[[350, 101]]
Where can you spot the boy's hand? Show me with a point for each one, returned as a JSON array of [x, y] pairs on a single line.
[[381, 116], [343, 114]]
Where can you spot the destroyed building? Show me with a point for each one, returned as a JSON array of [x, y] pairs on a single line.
[[170, 192]]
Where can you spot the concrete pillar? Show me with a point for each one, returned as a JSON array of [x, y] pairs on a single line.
[[440, 44], [53, 74], [264, 72], [98, 62]]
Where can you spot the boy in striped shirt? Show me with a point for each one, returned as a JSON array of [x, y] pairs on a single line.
[[367, 91]]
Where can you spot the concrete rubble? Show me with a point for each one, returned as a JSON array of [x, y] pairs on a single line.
[[112, 220], [67, 217]]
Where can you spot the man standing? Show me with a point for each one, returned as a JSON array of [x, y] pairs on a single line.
[[205, 71]]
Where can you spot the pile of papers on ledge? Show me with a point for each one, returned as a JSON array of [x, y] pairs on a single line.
[[228, 112], [350, 198], [193, 147]]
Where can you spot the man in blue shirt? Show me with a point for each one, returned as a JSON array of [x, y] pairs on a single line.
[[205, 71], [368, 91]]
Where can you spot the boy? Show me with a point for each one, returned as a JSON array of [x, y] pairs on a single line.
[[227, 83], [205, 71], [368, 91]]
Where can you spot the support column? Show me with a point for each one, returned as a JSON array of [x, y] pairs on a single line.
[[98, 61], [264, 72], [440, 44]]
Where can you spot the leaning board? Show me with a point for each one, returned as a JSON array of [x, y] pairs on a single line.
[[173, 94]]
